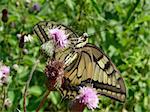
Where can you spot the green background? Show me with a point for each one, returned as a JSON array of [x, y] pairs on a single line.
[[120, 27]]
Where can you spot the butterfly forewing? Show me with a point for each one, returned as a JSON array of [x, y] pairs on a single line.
[[42, 31]]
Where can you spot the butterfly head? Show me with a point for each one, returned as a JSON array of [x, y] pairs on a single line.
[[82, 40]]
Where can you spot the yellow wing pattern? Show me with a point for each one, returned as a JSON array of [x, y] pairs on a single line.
[[90, 66], [42, 29], [85, 65]]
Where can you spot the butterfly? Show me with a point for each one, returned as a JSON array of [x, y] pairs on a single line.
[[85, 64]]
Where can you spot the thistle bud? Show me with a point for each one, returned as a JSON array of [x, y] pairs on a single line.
[[7, 103], [15, 67], [25, 51], [4, 15], [36, 7], [54, 72]]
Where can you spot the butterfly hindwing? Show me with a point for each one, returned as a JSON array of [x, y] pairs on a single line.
[[91, 66]]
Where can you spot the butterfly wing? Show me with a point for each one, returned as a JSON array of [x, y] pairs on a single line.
[[42, 31], [84, 65], [90, 66]]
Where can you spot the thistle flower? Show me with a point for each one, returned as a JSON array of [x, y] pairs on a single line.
[[36, 7], [59, 37], [5, 70], [4, 73], [88, 96], [54, 72], [7, 103]]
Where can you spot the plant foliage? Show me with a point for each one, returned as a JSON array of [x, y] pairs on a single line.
[[120, 27]]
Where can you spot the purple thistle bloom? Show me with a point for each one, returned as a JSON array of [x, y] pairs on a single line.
[[36, 7], [4, 73], [59, 37], [88, 96], [5, 70]]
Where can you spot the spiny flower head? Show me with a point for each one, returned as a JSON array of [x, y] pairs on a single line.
[[54, 72], [59, 37], [4, 73], [36, 7], [5, 70], [88, 96], [7, 103]]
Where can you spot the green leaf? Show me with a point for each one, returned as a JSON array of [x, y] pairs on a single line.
[[35, 90]]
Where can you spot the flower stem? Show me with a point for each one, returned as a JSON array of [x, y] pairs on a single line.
[[28, 82], [77, 107], [43, 100], [3, 106]]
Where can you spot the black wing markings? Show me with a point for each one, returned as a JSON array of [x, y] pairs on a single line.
[[43, 33]]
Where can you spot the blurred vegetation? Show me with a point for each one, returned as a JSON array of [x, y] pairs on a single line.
[[120, 27]]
